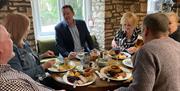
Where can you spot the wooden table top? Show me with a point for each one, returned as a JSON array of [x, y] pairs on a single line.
[[98, 85]]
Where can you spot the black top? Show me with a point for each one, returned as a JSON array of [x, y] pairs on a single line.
[[176, 35]]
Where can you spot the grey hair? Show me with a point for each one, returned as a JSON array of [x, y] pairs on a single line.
[[157, 23]]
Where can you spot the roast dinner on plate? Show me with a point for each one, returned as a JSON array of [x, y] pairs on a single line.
[[79, 78], [62, 67], [120, 55], [116, 72]]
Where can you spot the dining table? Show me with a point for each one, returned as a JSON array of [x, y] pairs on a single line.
[[98, 85]]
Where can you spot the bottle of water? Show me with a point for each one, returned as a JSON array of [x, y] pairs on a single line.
[[61, 58]]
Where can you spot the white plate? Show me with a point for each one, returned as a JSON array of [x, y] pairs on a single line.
[[127, 54], [55, 70], [85, 84], [48, 59], [127, 71], [128, 62], [124, 53]]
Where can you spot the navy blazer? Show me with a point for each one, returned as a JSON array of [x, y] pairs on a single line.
[[64, 39]]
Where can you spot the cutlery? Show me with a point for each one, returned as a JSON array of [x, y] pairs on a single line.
[[100, 75], [108, 80], [74, 84]]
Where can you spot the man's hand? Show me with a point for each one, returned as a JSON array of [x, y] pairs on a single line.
[[48, 64], [72, 55], [47, 54], [113, 44]]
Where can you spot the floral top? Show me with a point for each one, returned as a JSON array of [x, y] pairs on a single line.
[[122, 41]]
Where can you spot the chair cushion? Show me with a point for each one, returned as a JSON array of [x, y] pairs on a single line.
[[45, 45], [50, 44]]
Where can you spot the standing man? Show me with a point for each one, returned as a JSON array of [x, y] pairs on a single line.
[[157, 63], [72, 35]]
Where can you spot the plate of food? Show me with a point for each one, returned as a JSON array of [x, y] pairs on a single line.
[[48, 59], [121, 55], [128, 63], [79, 78], [62, 67], [116, 73]]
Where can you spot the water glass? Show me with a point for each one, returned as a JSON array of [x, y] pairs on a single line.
[[85, 62], [61, 58]]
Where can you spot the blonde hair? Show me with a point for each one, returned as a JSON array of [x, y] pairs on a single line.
[[172, 14], [129, 16], [17, 25]]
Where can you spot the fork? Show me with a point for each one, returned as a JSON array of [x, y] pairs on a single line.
[[74, 84]]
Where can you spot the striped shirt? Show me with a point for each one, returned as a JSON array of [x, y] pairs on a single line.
[[12, 80], [122, 41]]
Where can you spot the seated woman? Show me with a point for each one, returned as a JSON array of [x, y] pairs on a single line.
[[25, 59], [127, 36], [173, 26]]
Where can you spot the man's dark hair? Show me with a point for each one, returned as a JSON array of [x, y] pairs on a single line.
[[68, 6], [3, 2], [157, 22]]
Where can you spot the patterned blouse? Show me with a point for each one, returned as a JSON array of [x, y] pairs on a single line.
[[12, 80], [122, 41]]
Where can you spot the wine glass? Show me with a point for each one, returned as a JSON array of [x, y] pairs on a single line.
[[121, 46], [93, 58], [80, 54]]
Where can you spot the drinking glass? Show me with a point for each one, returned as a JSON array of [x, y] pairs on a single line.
[[86, 61], [80, 54], [139, 43], [61, 58], [121, 46], [116, 50]]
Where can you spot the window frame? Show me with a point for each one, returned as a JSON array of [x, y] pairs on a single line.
[[36, 17]]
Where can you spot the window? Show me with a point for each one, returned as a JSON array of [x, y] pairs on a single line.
[[159, 6], [154, 6], [47, 13]]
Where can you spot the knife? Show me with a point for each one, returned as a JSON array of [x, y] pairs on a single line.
[[100, 75]]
